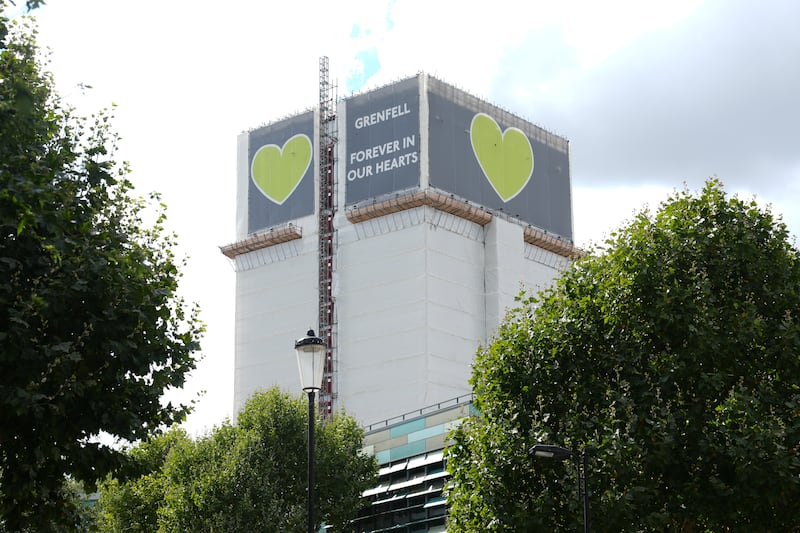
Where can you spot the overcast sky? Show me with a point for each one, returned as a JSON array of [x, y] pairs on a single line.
[[652, 95]]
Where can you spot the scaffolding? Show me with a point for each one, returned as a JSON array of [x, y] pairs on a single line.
[[327, 234]]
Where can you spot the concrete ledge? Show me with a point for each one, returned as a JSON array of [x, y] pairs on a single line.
[[261, 240], [551, 243], [434, 199]]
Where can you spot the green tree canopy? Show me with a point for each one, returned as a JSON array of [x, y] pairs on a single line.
[[249, 476], [673, 357], [92, 331]]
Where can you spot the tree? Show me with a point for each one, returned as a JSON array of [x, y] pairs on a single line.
[[78, 512], [673, 357], [92, 331], [245, 477], [133, 505]]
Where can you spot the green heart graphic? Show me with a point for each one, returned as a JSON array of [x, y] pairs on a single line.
[[506, 158], [277, 171]]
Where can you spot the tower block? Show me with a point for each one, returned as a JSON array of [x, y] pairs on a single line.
[[446, 207]]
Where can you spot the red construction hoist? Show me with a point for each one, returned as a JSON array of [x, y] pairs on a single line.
[[327, 234]]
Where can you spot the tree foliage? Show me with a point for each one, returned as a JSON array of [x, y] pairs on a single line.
[[673, 358], [245, 477], [92, 331]]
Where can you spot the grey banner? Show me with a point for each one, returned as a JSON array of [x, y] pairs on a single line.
[[382, 141], [461, 165], [281, 164]]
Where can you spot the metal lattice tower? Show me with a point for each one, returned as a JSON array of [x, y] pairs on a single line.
[[327, 234]]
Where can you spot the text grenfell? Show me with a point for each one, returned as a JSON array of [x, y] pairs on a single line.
[[382, 116]]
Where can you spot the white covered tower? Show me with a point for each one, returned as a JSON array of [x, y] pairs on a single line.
[[434, 209]]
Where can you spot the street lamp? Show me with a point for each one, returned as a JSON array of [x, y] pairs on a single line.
[[560, 453], [310, 352]]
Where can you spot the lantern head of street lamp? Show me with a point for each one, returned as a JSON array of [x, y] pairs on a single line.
[[548, 450], [310, 352]]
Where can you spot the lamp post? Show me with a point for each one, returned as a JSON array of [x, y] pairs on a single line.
[[310, 351], [560, 453]]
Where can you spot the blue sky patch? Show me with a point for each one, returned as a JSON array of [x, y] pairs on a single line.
[[370, 65]]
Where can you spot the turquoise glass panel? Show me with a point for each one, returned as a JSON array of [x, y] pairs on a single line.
[[426, 433], [407, 450], [407, 427]]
